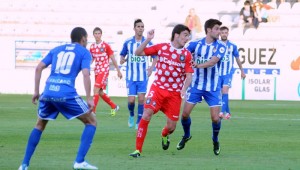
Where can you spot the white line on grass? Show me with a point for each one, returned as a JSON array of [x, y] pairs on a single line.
[[264, 118]]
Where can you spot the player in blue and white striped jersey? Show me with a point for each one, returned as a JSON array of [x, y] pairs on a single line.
[[137, 72], [207, 55], [226, 71]]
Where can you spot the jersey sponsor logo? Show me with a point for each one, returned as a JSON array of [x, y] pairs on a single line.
[[102, 49], [59, 81], [54, 88], [137, 59], [200, 60], [171, 62], [99, 55], [52, 99]]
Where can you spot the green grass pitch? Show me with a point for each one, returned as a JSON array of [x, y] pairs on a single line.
[[262, 135]]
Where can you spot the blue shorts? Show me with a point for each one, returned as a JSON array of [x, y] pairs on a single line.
[[50, 107], [212, 98], [226, 80], [136, 87]]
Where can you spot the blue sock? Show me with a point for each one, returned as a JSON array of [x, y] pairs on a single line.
[[186, 124], [85, 142], [140, 113], [227, 106], [216, 128], [33, 141], [224, 103], [131, 109]]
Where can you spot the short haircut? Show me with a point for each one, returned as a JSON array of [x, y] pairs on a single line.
[[178, 29], [97, 29], [211, 23], [77, 34], [224, 28], [137, 21], [247, 3]]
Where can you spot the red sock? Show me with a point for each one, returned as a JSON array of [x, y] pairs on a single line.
[[108, 101], [141, 134], [96, 99], [165, 132]]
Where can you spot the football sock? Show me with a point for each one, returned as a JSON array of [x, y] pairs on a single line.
[[186, 124], [96, 100], [140, 113], [131, 109], [165, 132], [85, 142], [225, 103], [216, 128], [33, 141], [108, 101], [141, 134]]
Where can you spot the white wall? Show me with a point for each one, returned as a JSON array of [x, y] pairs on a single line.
[[260, 56]]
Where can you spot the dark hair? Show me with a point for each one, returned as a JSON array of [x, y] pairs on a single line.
[[247, 3], [178, 29], [137, 21], [211, 23], [224, 28], [77, 34], [97, 29]]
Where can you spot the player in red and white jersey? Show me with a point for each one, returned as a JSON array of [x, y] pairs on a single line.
[[173, 77], [101, 53]]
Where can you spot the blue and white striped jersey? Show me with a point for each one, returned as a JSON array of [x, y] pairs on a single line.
[[136, 66], [206, 79], [228, 60]]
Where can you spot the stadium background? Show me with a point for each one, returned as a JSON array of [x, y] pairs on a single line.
[[270, 53]]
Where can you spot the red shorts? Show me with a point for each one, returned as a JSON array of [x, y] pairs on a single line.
[[168, 102], [101, 80]]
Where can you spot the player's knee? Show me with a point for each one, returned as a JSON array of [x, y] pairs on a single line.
[[185, 115], [172, 129], [215, 119]]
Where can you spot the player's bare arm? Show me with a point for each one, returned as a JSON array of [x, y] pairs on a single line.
[[140, 50], [188, 81], [150, 69], [87, 87], [207, 64], [238, 61], [38, 73], [114, 61], [123, 59]]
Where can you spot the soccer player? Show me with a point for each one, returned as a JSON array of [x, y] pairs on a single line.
[[101, 53], [207, 54], [173, 76], [60, 95], [226, 71], [137, 72]]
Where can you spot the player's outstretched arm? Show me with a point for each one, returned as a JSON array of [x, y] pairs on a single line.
[[140, 50], [207, 64]]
